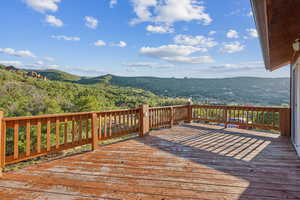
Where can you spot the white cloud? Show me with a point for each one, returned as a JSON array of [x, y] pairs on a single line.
[[49, 59], [43, 5], [91, 22], [250, 14], [11, 62], [199, 41], [251, 65], [190, 60], [20, 53], [212, 32], [232, 34], [121, 44], [112, 3], [169, 51], [169, 11], [232, 47], [53, 21], [147, 65], [141, 9], [176, 54], [160, 29], [67, 38], [252, 32], [99, 43]]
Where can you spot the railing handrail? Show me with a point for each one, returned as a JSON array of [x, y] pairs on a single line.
[[246, 107], [64, 115], [114, 123], [133, 109]]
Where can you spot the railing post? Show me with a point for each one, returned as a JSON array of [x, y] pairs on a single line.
[[144, 120], [94, 132], [171, 116], [2, 144], [189, 112], [285, 122], [225, 117]]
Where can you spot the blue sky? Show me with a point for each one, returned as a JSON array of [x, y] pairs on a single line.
[[165, 38]]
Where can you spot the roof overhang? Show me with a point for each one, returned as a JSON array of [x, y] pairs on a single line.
[[278, 26]]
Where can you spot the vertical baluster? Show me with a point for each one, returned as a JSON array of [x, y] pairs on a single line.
[[3, 145], [105, 125], [66, 130], [39, 136], [80, 129], [28, 125], [161, 117], [73, 130], [48, 135], [100, 127], [16, 140], [151, 118], [128, 121], [115, 123], [132, 119], [86, 128], [110, 124], [57, 126]]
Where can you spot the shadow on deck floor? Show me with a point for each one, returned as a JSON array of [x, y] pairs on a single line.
[[186, 162]]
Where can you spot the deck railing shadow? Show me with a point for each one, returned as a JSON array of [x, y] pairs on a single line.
[[234, 153]]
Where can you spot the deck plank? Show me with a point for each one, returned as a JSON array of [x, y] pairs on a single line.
[[192, 161]]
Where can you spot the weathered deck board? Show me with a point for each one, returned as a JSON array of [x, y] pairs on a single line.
[[186, 162]]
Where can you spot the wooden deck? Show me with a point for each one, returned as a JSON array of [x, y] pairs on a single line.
[[191, 161]]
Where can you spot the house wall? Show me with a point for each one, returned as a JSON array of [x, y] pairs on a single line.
[[295, 104]]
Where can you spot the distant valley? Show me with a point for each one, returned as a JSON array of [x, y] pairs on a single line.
[[239, 90]]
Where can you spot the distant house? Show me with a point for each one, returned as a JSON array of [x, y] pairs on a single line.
[[10, 68], [36, 75], [278, 27]]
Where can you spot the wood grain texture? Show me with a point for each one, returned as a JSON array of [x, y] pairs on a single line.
[[192, 161]]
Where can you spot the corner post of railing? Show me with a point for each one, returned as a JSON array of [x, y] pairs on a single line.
[[144, 120], [2, 143], [285, 122], [94, 131], [171, 116], [225, 116], [189, 112]]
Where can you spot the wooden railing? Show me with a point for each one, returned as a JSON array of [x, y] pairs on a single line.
[[268, 118], [24, 138], [167, 116]]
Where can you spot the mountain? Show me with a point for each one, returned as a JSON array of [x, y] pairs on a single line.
[[23, 95], [239, 90], [58, 75]]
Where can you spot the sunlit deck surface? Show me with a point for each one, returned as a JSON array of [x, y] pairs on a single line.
[[190, 161]]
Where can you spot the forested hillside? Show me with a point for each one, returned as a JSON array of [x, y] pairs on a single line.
[[24, 95], [240, 90]]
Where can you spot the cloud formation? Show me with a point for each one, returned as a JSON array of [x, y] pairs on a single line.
[[176, 54], [99, 43], [91, 22], [169, 11], [112, 3], [198, 41], [53, 21], [252, 32], [232, 47], [121, 44], [147, 65], [159, 29], [232, 34], [43, 5], [67, 38], [20, 53]]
